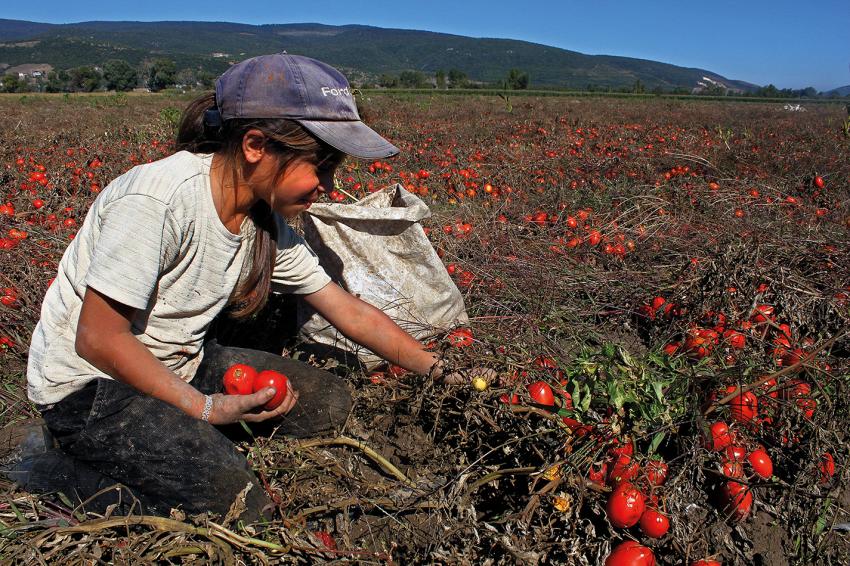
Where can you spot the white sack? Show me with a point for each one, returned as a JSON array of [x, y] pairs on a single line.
[[377, 250]]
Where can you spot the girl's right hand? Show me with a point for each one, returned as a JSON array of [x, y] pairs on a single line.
[[227, 409]]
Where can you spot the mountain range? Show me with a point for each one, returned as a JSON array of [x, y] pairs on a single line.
[[363, 52]]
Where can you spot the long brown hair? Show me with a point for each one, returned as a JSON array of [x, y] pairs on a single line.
[[291, 142]]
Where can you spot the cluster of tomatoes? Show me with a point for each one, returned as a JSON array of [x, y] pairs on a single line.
[[243, 379], [463, 277], [734, 332], [9, 297], [459, 229]]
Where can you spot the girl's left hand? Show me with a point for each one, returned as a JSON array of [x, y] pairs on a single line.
[[228, 409]]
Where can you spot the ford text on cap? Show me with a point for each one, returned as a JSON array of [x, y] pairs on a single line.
[[312, 93]]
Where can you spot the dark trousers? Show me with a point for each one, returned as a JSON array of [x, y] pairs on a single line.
[[150, 457]]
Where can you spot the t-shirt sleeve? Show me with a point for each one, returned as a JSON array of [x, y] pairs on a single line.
[[138, 239], [297, 268]]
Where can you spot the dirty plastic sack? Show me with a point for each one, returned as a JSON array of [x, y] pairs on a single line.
[[377, 250]]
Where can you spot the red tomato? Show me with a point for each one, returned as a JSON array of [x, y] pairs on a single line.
[[733, 469], [737, 500], [735, 339], [630, 553], [625, 505], [656, 472], [326, 539], [597, 472], [718, 437], [826, 467], [460, 337], [671, 348], [735, 453], [621, 448], [541, 393], [624, 469], [819, 182], [795, 389], [761, 463], [271, 378], [654, 524], [707, 562], [761, 313], [239, 379], [512, 400], [744, 407]]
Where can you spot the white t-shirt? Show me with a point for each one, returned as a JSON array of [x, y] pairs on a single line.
[[153, 241]]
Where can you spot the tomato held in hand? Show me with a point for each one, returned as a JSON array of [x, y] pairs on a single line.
[[239, 379], [271, 378]]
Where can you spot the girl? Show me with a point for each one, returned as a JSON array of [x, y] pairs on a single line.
[[118, 364]]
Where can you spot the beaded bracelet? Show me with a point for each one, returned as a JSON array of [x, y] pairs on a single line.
[[208, 403]]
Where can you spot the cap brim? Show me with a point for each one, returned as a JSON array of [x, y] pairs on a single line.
[[351, 137]]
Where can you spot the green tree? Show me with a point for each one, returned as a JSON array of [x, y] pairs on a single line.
[[119, 75], [457, 79], [188, 78], [11, 83], [84, 79], [440, 77], [412, 79], [388, 81], [206, 80], [638, 87], [517, 80], [162, 74], [768, 91], [59, 81]]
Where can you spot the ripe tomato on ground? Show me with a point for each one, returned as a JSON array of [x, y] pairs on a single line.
[[744, 407], [737, 500], [239, 379], [541, 393], [623, 469], [656, 472], [630, 553], [625, 505], [460, 337], [654, 523], [761, 463], [718, 436], [271, 378], [826, 467]]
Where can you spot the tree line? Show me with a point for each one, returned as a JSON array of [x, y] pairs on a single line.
[[159, 74], [116, 74]]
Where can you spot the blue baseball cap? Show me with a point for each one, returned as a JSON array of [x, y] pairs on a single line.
[[302, 89]]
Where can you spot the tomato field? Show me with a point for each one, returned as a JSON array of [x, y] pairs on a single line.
[[663, 287]]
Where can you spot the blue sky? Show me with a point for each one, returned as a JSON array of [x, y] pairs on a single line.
[[789, 44]]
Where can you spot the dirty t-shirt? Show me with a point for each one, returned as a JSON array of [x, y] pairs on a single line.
[[153, 241]]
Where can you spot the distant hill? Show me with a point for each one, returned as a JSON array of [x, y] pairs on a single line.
[[840, 91], [364, 52]]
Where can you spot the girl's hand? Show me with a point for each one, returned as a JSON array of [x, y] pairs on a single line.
[[227, 409]]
